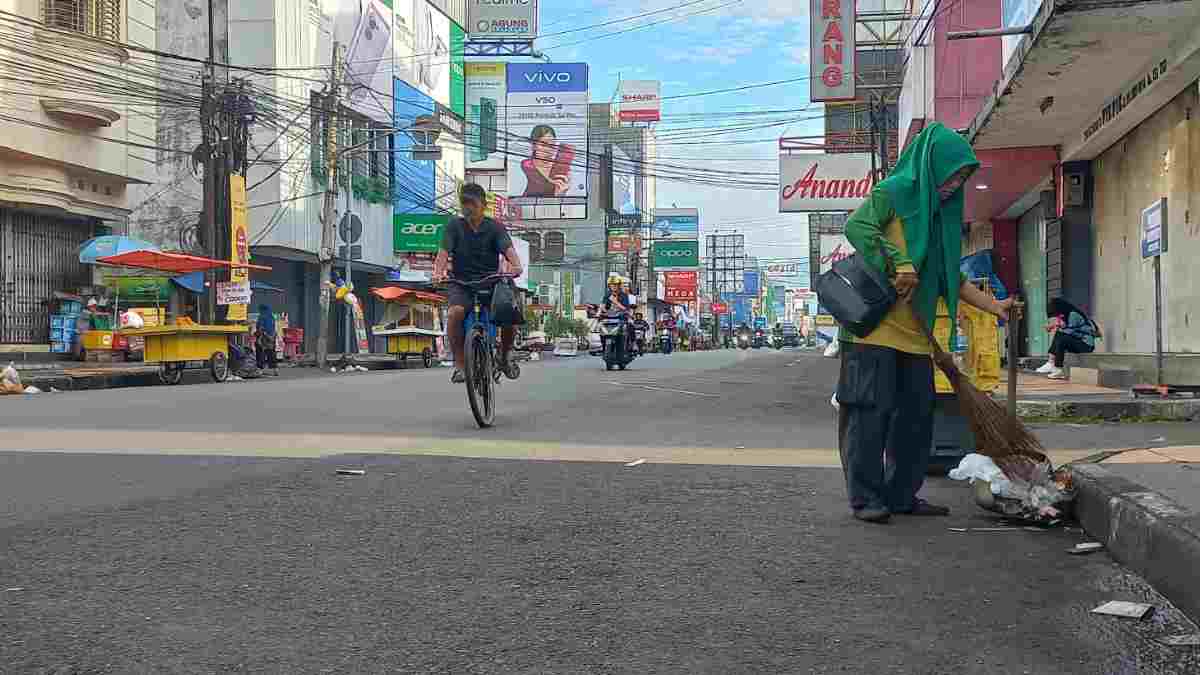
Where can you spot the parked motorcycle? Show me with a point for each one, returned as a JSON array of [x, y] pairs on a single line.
[[743, 340], [665, 343], [760, 339], [614, 329]]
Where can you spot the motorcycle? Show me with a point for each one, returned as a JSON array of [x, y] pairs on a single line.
[[760, 339], [614, 330], [743, 340], [777, 341], [665, 344]]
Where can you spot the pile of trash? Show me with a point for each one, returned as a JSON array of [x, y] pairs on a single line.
[[10, 382], [1041, 493]]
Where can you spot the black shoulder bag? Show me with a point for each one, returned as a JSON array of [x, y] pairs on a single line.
[[856, 294]]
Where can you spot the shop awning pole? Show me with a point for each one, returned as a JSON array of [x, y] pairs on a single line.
[[989, 32]]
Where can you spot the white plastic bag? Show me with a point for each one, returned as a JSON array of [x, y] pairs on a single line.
[[831, 352], [834, 402], [975, 467], [10, 375]]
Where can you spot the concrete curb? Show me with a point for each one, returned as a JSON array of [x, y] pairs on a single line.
[[1143, 530], [1177, 410]]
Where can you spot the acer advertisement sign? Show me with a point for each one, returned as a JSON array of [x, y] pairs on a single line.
[[547, 120], [641, 101], [819, 182], [831, 56], [417, 232]]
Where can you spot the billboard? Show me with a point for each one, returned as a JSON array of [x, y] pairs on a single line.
[[831, 56], [425, 191], [676, 224], [820, 182], [428, 52], [486, 91], [623, 241], [624, 183], [641, 101], [503, 20], [366, 28], [547, 122], [751, 283], [676, 254], [680, 286]]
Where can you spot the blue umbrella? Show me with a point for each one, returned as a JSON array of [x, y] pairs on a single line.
[[109, 245]]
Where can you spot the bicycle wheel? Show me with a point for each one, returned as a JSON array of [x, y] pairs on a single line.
[[480, 386]]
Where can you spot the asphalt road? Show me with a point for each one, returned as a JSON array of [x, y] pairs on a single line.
[[202, 529]]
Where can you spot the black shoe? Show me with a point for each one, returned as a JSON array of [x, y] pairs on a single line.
[[872, 515], [510, 369], [924, 508], [458, 376]]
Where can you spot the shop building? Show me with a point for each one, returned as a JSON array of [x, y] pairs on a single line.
[[1112, 89], [68, 168]]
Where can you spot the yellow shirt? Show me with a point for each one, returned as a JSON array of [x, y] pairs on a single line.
[[899, 329]]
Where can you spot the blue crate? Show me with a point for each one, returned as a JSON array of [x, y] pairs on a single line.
[[60, 347], [63, 320], [70, 307]]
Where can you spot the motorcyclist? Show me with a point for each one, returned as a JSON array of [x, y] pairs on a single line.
[[642, 328], [616, 301]]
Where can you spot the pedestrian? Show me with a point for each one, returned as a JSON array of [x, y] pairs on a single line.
[[264, 341], [1073, 332], [910, 228]]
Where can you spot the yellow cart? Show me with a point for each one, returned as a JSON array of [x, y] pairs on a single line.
[[175, 348], [410, 324]]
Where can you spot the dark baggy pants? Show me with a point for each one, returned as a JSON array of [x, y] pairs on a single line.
[[1063, 343], [886, 405]]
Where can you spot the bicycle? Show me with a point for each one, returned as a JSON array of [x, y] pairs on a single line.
[[482, 351]]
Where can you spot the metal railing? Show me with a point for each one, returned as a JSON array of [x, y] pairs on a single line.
[[97, 18]]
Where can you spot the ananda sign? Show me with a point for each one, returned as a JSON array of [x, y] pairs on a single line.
[[818, 182]]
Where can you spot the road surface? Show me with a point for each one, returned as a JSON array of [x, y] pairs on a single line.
[[203, 529]]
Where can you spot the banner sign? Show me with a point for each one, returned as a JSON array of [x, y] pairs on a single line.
[[783, 269], [820, 182], [622, 241], [503, 19], [676, 224], [1154, 229], [547, 123], [641, 101], [233, 293], [624, 220], [720, 308], [831, 50], [679, 294], [486, 91], [676, 254], [417, 232], [681, 279], [750, 283], [240, 243]]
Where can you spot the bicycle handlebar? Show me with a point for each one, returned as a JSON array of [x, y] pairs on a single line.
[[471, 284]]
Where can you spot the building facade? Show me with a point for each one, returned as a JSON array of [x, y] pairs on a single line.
[[70, 162]]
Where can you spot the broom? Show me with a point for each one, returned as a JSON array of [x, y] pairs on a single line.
[[998, 433]]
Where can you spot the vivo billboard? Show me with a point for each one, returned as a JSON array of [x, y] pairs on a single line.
[[502, 19], [547, 121], [831, 45], [819, 182]]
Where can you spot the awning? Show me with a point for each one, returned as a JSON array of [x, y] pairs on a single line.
[[393, 293], [1003, 178], [110, 245], [172, 262], [193, 282]]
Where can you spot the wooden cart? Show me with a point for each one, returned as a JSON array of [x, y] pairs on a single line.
[[178, 347], [411, 324]]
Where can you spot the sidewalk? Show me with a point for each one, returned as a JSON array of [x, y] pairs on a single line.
[[1144, 506], [1039, 397]]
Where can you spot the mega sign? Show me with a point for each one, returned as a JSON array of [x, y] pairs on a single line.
[[831, 45], [839, 182]]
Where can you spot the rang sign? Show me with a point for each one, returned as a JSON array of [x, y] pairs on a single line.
[[813, 182], [831, 55]]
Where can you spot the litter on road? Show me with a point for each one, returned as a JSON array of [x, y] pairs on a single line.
[[637, 462], [1087, 547], [351, 472], [987, 529], [1127, 610], [14, 589], [1186, 640]]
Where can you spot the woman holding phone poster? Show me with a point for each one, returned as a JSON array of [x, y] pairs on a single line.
[[548, 168]]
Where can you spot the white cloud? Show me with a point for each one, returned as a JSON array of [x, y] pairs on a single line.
[[796, 54], [724, 55]]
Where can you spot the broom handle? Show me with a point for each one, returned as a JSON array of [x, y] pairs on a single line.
[[1014, 318], [940, 357]]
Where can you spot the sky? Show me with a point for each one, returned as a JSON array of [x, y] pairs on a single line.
[[736, 44]]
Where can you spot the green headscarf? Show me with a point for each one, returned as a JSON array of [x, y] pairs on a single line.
[[932, 227]]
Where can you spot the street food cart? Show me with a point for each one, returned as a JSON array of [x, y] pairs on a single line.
[[411, 323], [184, 344]]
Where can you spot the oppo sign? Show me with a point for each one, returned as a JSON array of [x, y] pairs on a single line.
[[677, 254]]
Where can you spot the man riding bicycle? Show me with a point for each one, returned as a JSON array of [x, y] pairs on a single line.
[[471, 249]]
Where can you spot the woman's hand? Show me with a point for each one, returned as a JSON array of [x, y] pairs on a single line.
[[906, 283], [561, 184], [1004, 308]]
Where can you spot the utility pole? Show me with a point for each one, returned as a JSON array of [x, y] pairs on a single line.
[[328, 219]]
